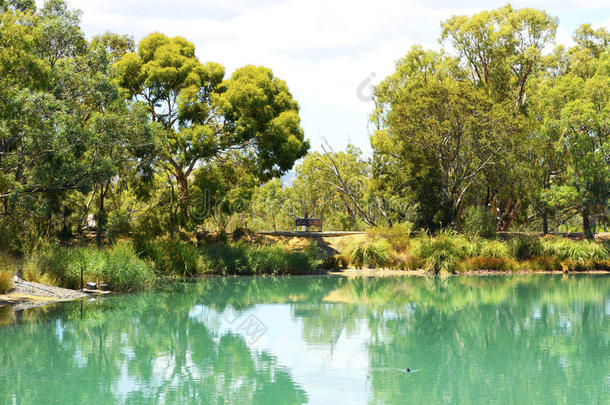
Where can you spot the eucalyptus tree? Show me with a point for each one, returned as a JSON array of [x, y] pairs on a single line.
[[580, 101], [452, 128], [204, 117], [65, 127]]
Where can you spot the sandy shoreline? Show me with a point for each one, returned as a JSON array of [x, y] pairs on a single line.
[[27, 294]]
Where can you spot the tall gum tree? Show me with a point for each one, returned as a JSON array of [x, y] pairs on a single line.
[[204, 116]]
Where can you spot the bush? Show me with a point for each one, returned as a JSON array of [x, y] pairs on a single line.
[[542, 263], [239, 259], [448, 241], [6, 280], [119, 224], [398, 235], [32, 270], [488, 263], [370, 253], [124, 271], [441, 260], [578, 251], [170, 257], [117, 266], [524, 247], [478, 221], [405, 261], [318, 259], [489, 248], [442, 252]]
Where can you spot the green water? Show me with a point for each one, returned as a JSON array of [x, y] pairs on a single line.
[[468, 340]]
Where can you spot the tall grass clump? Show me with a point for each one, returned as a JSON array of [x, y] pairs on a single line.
[[488, 263], [8, 269], [123, 270], [170, 257], [6, 281], [489, 248], [442, 252], [118, 266], [576, 251], [370, 253], [260, 260], [398, 235], [524, 247]]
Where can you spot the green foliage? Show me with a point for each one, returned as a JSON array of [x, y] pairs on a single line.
[[243, 260], [577, 251], [478, 221], [488, 263], [118, 266], [441, 261], [524, 247], [6, 281], [447, 241], [8, 269], [489, 248], [542, 263], [398, 235], [171, 257], [370, 253]]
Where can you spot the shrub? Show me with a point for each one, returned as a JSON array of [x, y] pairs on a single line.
[[239, 259], [398, 235], [6, 281], [488, 263], [124, 271], [579, 251], [405, 261], [441, 260], [170, 257], [32, 270], [448, 241], [478, 221], [442, 252], [524, 247], [119, 224], [318, 259], [370, 253], [542, 263], [118, 266], [490, 248]]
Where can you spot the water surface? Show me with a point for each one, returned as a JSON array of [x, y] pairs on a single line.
[[468, 340]]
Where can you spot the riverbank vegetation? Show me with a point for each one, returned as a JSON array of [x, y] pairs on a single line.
[[137, 161], [451, 252]]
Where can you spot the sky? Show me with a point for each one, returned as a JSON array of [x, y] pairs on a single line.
[[330, 52]]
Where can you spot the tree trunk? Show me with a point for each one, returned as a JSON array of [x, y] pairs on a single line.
[[183, 197], [545, 222], [586, 224], [101, 214]]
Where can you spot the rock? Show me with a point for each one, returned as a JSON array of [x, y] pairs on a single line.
[[91, 286]]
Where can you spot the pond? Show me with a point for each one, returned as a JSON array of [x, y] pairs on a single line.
[[468, 340]]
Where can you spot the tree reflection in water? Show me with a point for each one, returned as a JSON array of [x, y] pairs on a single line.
[[506, 339]]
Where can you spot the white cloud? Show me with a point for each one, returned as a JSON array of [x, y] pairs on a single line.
[[323, 49]]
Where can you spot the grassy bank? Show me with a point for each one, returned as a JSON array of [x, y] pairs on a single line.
[[136, 265], [454, 253]]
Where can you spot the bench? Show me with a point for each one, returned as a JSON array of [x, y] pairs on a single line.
[[307, 222]]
